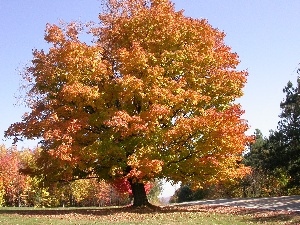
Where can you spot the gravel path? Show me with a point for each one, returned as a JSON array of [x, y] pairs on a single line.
[[291, 203]]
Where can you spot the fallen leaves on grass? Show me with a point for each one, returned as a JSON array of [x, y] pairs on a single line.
[[168, 213]]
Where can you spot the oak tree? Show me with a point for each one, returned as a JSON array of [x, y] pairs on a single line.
[[152, 97]]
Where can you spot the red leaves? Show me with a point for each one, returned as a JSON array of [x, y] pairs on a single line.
[[122, 185]]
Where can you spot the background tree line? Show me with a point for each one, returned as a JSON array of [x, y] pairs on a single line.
[[274, 160]]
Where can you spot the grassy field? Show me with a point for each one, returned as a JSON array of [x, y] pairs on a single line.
[[164, 215]]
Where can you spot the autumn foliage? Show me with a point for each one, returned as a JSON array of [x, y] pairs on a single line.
[[12, 183], [153, 96], [20, 189]]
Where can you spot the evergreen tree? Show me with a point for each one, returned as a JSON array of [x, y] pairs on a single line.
[[285, 141], [258, 152]]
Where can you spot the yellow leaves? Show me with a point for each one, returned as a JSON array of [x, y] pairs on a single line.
[[2, 192], [116, 171], [131, 88], [79, 189], [133, 59], [214, 140], [80, 93], [143, 168]]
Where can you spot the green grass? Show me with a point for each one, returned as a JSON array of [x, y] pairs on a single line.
[[167, 215]]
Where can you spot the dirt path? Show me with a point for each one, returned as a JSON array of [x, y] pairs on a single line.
[[291, 203]]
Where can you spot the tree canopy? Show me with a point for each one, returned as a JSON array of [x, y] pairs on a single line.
[[152, 97]]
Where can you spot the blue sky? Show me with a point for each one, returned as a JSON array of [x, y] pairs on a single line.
[[264, 33]]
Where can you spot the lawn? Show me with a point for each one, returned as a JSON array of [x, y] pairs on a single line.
[[164, 215]]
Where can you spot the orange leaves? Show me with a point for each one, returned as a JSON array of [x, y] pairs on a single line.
[[134, 59], [12, 182], [54, 34], [214, 143], [125, 124], [157, 111], [144, 168], [80, 93], [72, 30], [130, 87], [70, 61], [153, 96]]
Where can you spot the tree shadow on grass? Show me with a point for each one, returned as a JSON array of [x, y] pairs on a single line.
[[247, 215], [62, 211]]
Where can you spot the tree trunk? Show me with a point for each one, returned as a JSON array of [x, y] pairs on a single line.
[[139, 194]]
